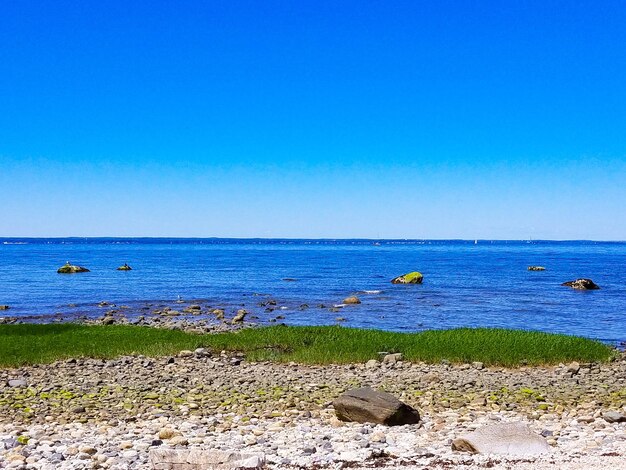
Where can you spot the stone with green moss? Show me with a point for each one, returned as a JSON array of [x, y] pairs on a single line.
[[69, 268], [409, 278]]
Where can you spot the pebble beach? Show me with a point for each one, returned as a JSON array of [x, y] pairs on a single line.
[[91, 413]]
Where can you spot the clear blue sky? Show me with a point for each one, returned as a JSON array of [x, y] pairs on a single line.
[[313, 119]]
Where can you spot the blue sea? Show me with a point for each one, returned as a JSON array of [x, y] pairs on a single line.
[[467, 283]]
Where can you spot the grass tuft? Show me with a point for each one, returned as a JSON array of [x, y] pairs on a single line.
[[35, 344]]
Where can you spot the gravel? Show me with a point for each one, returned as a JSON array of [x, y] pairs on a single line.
[[87, 413]]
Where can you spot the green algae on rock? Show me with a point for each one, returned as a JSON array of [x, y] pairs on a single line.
[[125, 267], [69, 268], [409, 278]]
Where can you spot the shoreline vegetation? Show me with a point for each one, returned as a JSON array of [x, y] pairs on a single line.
[[28, 344]]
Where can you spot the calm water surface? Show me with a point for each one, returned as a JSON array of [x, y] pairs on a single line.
[[466, 284]]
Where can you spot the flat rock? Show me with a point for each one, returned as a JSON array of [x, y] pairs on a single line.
[[366, 405], [17, 383], [197, 459], [536, 268], [352, 300], [506, 438]]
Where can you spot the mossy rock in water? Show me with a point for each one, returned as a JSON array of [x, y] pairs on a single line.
[[125, 268], [536, 268], [68, 268], [410, 278]]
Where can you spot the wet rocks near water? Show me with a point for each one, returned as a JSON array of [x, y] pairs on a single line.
[[239, 316], [69, 268], [4, 307], [409, 278], [125, 267], [536, 268], [193, 309], [506, 438], [352, 300], [366, 405], [582, 284], [219, 313]]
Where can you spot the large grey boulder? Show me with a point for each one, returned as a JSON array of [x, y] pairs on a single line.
[[581, 284], [504, 438], [614, 417], [366, 405], [198, 459]]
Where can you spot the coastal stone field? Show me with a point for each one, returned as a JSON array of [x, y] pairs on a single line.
[[88, 413]]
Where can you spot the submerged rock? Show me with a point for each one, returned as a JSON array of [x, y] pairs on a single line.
[[506, 438], [536, 268], [125, 267], [352, 300], [410, 278], [68, 268], [582, 284], [366, 405]]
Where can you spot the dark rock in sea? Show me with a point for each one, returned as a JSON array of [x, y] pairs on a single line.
[[582, 284], [125, 267], [409, 278], [536, 268], [352, 300], [68, 268], [4, 307], [366, 405], [289, 279]]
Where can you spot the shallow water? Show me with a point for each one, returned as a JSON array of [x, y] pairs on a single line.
[[465, 284]]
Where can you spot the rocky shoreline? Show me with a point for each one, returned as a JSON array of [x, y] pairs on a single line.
[[87, 413]]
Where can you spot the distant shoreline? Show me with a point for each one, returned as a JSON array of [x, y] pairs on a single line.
[[338, 241]]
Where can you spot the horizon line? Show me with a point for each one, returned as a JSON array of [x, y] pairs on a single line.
[[314, 239]]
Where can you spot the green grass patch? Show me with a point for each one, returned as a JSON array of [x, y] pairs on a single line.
[[40, 344], [29, 344]]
